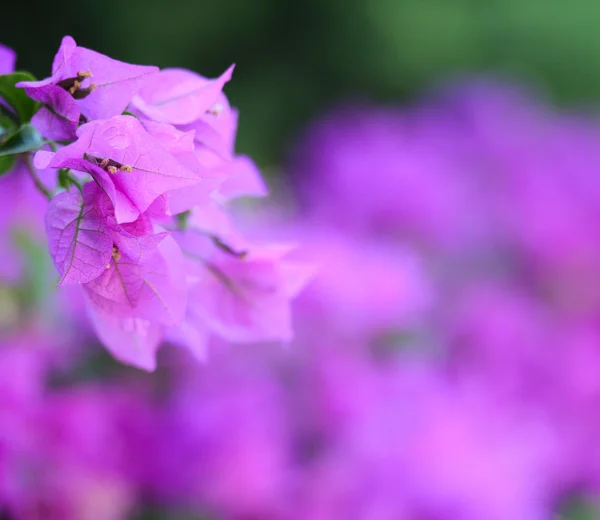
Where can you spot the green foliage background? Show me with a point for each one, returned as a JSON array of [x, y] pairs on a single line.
[[295, 58]]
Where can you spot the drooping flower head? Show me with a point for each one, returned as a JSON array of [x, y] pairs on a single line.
[[128, 156]]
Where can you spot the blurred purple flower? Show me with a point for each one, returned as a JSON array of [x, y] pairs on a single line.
[[8, 58]]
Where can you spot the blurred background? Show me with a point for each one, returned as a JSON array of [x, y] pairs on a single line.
[[295, 58]]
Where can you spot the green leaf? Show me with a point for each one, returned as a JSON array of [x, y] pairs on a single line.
[[25, 139], [6, 163], [24, 106], [8, 128]]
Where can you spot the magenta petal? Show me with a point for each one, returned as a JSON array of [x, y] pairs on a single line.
[[116, 81], [125, 210], [191, 337], [244, 180], [42, 159], [132, 341], [138, 249], [155, 171], [111, 83], [158, 210], [172, 139], [155, 291], [71, 157], [7, 60], [121, 285], [58, 117], [79, 241], [207, 136], [165, 277], [296, 275], [240, 298], [211, 218], [179, 96], [252, 306], [63, 56], [186, 199]]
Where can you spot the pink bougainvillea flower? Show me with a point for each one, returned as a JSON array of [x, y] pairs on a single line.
[[101, 87], [8, 59], [127, 176], [131, 302], [179, 96], [132, 276], [132, 341], [182, 144], [84, 236], [214, 136], [86, 431], [149, 287], [240, 472], [239, 291], [243, 180], [198, 108], [132, 166], [174, 140], [79, 237], [216, 128], [59, 115], [393, 293], [125, 210]]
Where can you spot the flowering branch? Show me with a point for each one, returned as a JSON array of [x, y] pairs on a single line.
[[148, 152]]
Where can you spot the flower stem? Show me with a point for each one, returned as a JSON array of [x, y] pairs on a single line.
[[36, 180]]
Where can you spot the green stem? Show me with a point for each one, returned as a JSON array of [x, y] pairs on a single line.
[[66, 180], [36, 180], [77, 185]]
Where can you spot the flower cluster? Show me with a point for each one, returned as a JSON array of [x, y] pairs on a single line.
[[139, 166]]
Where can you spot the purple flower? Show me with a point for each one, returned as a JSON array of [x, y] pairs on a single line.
[[85, 238], [77, 430], [132, 277], [142, 280], [80, 239], [423, 190], [179, 96], [215, 133], [131, 166], [59, 115], [133, 341], [196, 106], [132, 302], [8, 57], [393, 293], [83, 83], [236, 472], [243, 180], [238, 291]]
